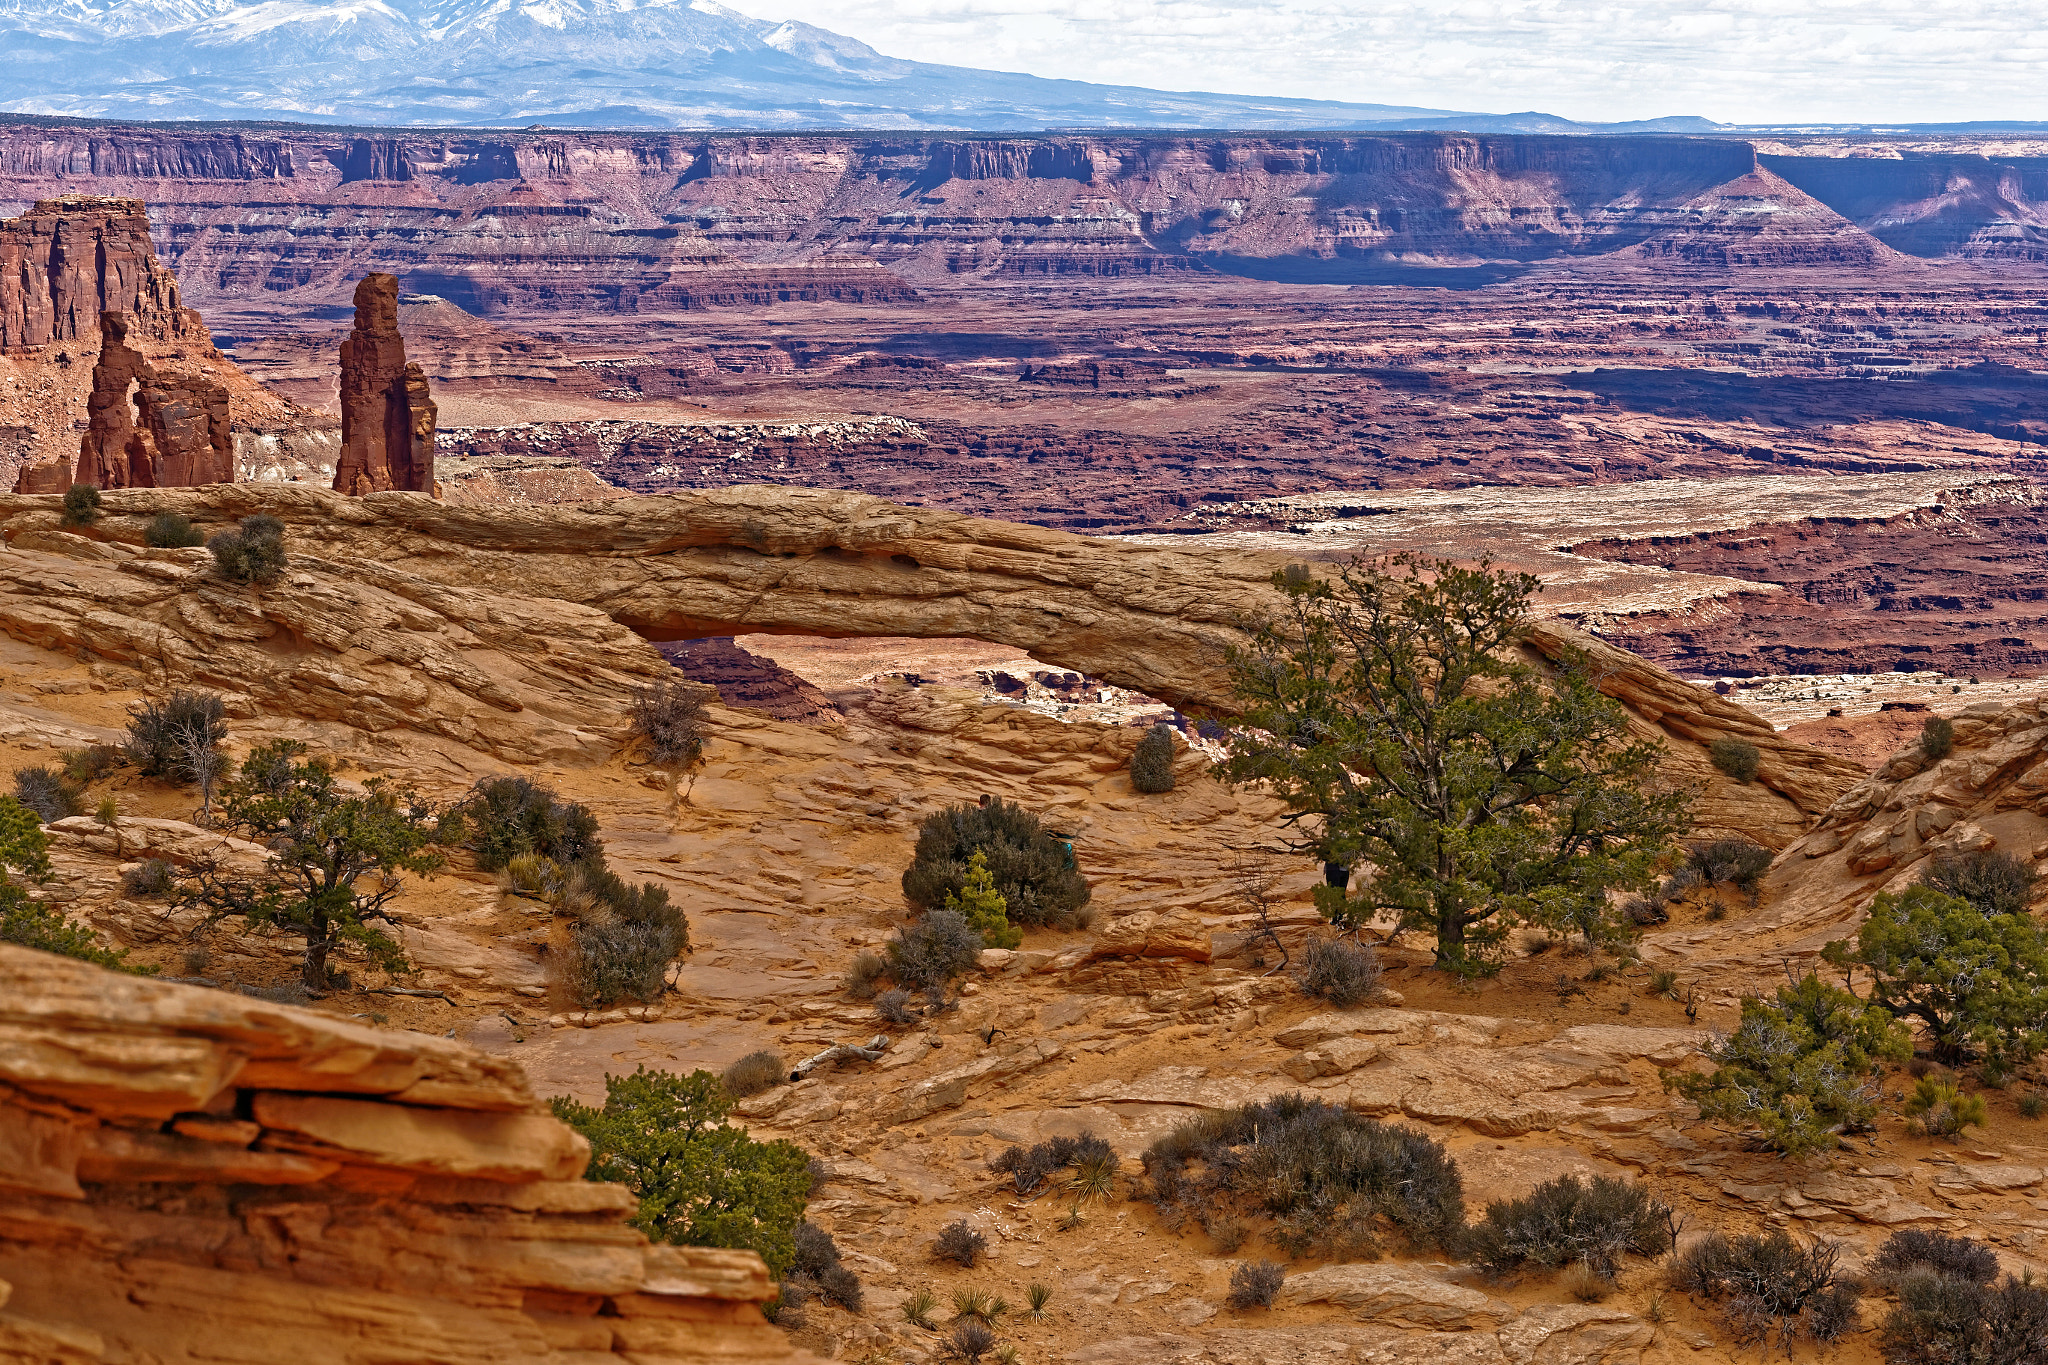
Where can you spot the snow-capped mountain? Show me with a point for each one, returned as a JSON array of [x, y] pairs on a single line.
[[611, 63]]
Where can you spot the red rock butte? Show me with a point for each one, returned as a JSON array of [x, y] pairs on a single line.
[[387, 417]]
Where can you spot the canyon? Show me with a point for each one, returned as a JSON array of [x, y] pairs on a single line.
[[951, 465]]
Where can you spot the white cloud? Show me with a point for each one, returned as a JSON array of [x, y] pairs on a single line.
[[1739, 61]]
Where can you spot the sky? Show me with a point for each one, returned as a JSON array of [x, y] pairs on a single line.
[[1736, 61]]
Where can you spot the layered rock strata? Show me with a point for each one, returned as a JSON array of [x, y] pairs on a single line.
[[737, 561], [191, 1174], [387, 415], [173, 433]]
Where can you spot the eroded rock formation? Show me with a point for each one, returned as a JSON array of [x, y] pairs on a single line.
[[387, 416], [94, 336], [738, 561], [192, 1174]]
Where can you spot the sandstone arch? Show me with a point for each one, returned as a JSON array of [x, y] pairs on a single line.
[[795, 561]]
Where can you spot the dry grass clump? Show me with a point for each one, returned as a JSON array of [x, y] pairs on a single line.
[[149, 879], [1254, 1284], [1341, 971], [754, 1073], [1152, 761], [863, 979], [668, 720]]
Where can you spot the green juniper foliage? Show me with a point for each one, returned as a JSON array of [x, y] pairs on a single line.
[[1798, 1069], [1977, 982], [1033, 869], [981, 905], [1393, 718], [25, 848], [81, 505], [699, 1181], [336, 860]]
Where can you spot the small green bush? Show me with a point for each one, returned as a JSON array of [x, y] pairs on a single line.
[[699, 1181], [668, 719], [171, 531], [81, 505], [503, 817], [982, 906], [1034, 870], [960, 1243], [1330, 1179], [1937, 738], [1768, 1283], [1943, 1109], [2032, 1105], [1255, 1284], [1340, 971], [1799, 1069], [1566, 1221], [754, 1073], [25, 848], [1735, 757], [1152, 761], [934, 952], [49, 793]]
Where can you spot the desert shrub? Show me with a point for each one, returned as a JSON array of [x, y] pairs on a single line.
[[934, 952], [171, 531], [979, 1303], [970, 1339], [1030, 1167], [1799, 1068], [1330, 1179], [2032, 1105], [49, 793], [1911, 1249], [1584, 1283], [1033, 870], [918, 1306], [616, 956], [1254, 1284], [1736, 861], [81, 505], [1943, 1109], [1977, 981], [982, 906], [961, 1244], [1644, 911], [1937, 738], [1664, 984], [150, 878], [1036, 1297], [503, 817], [170, 739], [1767, 1282], [1950, 1311], [863, 977], [754, 1073], [816, 1258], [1996, 883], [700, 1182], [252, 552], [668, 718], [1735, 757], [1152, 761], [91, 763], [893, 1007], [1566, 1221], [25, 849], [1341, 971]]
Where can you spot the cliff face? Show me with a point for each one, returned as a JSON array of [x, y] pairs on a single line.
[[192, 1174], [658, 222], [1978, 202], [73, 269]]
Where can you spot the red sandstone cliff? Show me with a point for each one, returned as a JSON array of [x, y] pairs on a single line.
[[660, 222], [87, 314]]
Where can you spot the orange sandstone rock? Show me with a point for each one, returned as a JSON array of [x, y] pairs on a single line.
[[387, 417]]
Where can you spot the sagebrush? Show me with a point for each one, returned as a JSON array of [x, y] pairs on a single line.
[[252, 552], [1033, 869], [1152, 761], [1568, 1221]]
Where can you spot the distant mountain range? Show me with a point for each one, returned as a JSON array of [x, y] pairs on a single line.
[[583, 63]]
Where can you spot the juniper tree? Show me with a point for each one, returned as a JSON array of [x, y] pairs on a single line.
[[1393, 717]]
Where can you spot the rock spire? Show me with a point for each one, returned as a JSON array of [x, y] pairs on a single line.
[[173, 433], [387, 415]]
